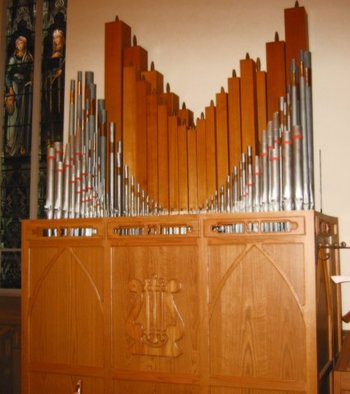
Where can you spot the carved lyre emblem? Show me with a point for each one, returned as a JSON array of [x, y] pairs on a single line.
[[154, 324]]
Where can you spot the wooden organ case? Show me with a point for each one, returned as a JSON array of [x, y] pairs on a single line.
[[192, 300]]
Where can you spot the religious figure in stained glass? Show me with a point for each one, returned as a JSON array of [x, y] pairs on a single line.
[[53, 91], [18, 99]]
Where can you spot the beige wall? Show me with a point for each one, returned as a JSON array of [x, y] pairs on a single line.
[[197, 43]]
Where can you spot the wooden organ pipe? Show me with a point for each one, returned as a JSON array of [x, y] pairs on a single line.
[[117, 38], [163, 156], [221, 127], [211, 152], [143, 90], [152, 146], [173, 122], [261, 98], [234, 120], [135, 61], [249, 104], [192, 169], [275, 74], [182, 151], [129, 132], [296, 33], [201, 162]]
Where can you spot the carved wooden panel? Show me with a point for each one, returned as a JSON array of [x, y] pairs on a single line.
[[66, 306], [256, 324], [155, 309], [66, 318]]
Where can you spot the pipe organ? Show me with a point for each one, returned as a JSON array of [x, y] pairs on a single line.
[[183, 255], [140, 152]]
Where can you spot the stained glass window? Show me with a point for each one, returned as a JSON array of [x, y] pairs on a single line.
[[17, 128]]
